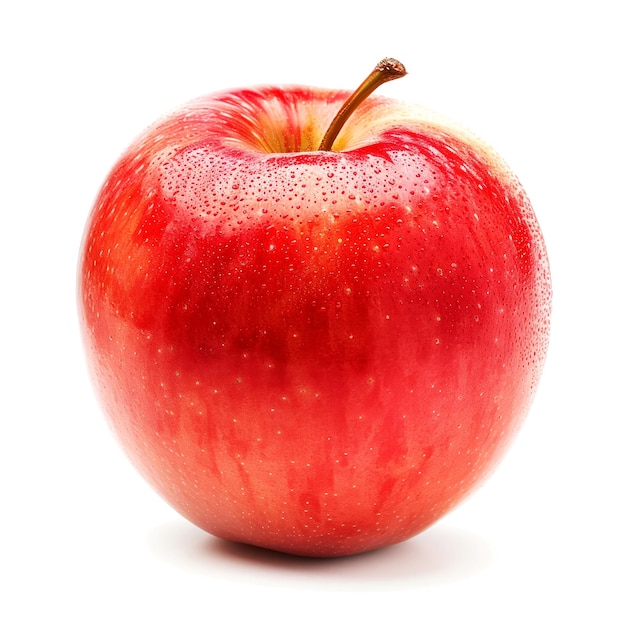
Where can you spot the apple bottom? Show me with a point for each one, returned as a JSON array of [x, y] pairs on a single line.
[[319, 463]]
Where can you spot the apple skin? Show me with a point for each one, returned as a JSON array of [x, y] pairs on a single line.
[[319, 353]]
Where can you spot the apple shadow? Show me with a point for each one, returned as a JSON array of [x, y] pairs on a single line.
[[439, 556]]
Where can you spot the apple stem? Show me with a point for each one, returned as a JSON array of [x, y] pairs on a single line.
[[388, 69]]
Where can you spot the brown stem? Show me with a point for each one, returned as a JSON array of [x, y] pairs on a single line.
[[388, 69]]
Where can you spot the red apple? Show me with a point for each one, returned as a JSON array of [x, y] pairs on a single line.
[[317, 351]]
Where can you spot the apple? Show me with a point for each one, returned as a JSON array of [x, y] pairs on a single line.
[[315, 320]]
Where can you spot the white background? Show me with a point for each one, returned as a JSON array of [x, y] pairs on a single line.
[[83, 540]]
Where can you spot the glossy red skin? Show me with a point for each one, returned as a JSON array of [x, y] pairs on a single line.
[[318, 353]]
